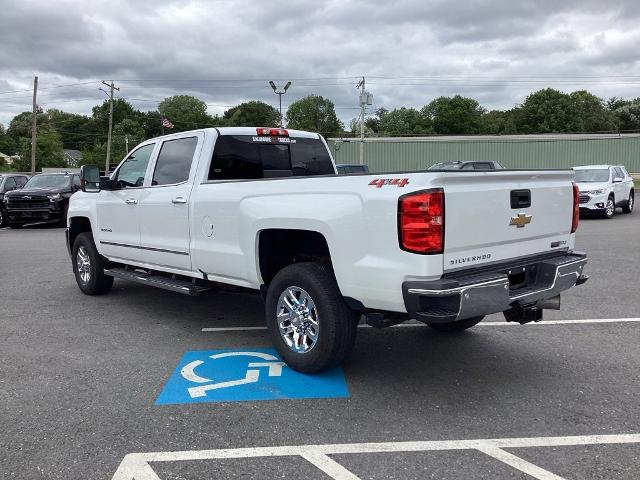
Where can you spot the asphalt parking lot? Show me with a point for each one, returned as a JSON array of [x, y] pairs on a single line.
[[79, 379]]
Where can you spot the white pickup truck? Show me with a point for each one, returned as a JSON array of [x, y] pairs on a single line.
[[263, 208]]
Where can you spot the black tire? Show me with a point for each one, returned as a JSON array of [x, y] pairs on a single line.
[[3, 218], [608, 213], [337, 323], [458, 326], [628, 208], [97, 282]]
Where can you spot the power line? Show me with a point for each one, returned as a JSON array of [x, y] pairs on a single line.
[[48, 88]]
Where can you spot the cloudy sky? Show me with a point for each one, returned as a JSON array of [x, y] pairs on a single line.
[[225, 51]]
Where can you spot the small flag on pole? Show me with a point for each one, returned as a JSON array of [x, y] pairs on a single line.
[[166, 123]]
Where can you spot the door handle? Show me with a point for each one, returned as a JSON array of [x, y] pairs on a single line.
[[131, 201], [179, 200]]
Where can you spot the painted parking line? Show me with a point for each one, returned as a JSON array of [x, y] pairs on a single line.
[[481, 324], [135, 466], [248, 374]]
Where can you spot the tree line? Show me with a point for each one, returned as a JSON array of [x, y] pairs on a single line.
[[544, 111]]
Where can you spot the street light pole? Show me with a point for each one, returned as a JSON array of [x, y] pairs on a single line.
[[280, 93]]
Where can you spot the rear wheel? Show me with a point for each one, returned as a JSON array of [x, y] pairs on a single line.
[[310, 324], [609, 208], [628, 208], [88, 266], [458, 326]]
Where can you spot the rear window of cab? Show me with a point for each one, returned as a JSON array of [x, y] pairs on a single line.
[[250, 157]]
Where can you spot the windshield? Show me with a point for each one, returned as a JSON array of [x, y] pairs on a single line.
[[48, 181], [591, 175]]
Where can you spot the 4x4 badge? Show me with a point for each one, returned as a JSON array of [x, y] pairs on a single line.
[[520, 220]]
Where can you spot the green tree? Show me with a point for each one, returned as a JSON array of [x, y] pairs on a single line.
[[591, 115], [500, 122], [403, 121], [628, 115], [20, 125], [127, 129], [8, 144], [49, 150], [548, 111], [616, 102], [121, 110], [250, 114], [75, 130], [185, 113], [454, 115], [314, 113], [95, 155]]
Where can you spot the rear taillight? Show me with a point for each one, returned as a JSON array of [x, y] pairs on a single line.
[[273, 132], [421, 222], [576, 208]]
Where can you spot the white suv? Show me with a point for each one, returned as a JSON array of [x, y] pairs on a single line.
[[603, 188]]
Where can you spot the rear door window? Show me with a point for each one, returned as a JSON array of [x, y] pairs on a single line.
[[174, 161], [250, 157]]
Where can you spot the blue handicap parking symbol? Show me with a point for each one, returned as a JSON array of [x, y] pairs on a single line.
[[253, 374]]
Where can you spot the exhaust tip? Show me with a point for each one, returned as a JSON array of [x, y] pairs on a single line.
[[552, 303]]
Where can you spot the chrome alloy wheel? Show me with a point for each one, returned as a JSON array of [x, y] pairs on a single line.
[[610, 207], [83, 263], [297, 319], [630, 205]]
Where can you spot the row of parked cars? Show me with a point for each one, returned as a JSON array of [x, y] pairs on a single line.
[[45, 197]]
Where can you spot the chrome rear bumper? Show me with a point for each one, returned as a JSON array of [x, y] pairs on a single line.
[[514, 286]]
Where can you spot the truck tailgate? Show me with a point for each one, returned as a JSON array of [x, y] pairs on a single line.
[[503, 215]]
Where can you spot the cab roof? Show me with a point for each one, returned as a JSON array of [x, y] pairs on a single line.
[[592, 167]]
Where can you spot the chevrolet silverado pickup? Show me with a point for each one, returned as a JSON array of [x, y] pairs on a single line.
[[264, 209], [43, 199]]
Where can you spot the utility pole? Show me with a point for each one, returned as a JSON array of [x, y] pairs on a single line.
[[126, 143], [365, 99], [275, 90], [34, 126], [110, 93]]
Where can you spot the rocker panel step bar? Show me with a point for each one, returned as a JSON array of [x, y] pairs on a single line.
[[178, 285]]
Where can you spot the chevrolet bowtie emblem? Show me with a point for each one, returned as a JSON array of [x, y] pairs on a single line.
[[520, 220]]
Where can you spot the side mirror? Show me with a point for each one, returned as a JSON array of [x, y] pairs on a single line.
[[617, 180], [90, 178]]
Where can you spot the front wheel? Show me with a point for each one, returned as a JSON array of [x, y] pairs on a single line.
[[3, 218], [609, 208], [309, 322], [628, 208], [458, 326], [88, 266]]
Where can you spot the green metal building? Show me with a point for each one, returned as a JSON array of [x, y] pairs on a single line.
[[513, 151]]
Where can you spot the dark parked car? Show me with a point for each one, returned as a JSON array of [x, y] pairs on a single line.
[[8, 183], [345, 168], [44, 198], [470, 165]]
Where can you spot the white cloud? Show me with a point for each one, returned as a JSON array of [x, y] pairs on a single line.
[[496, 52]]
